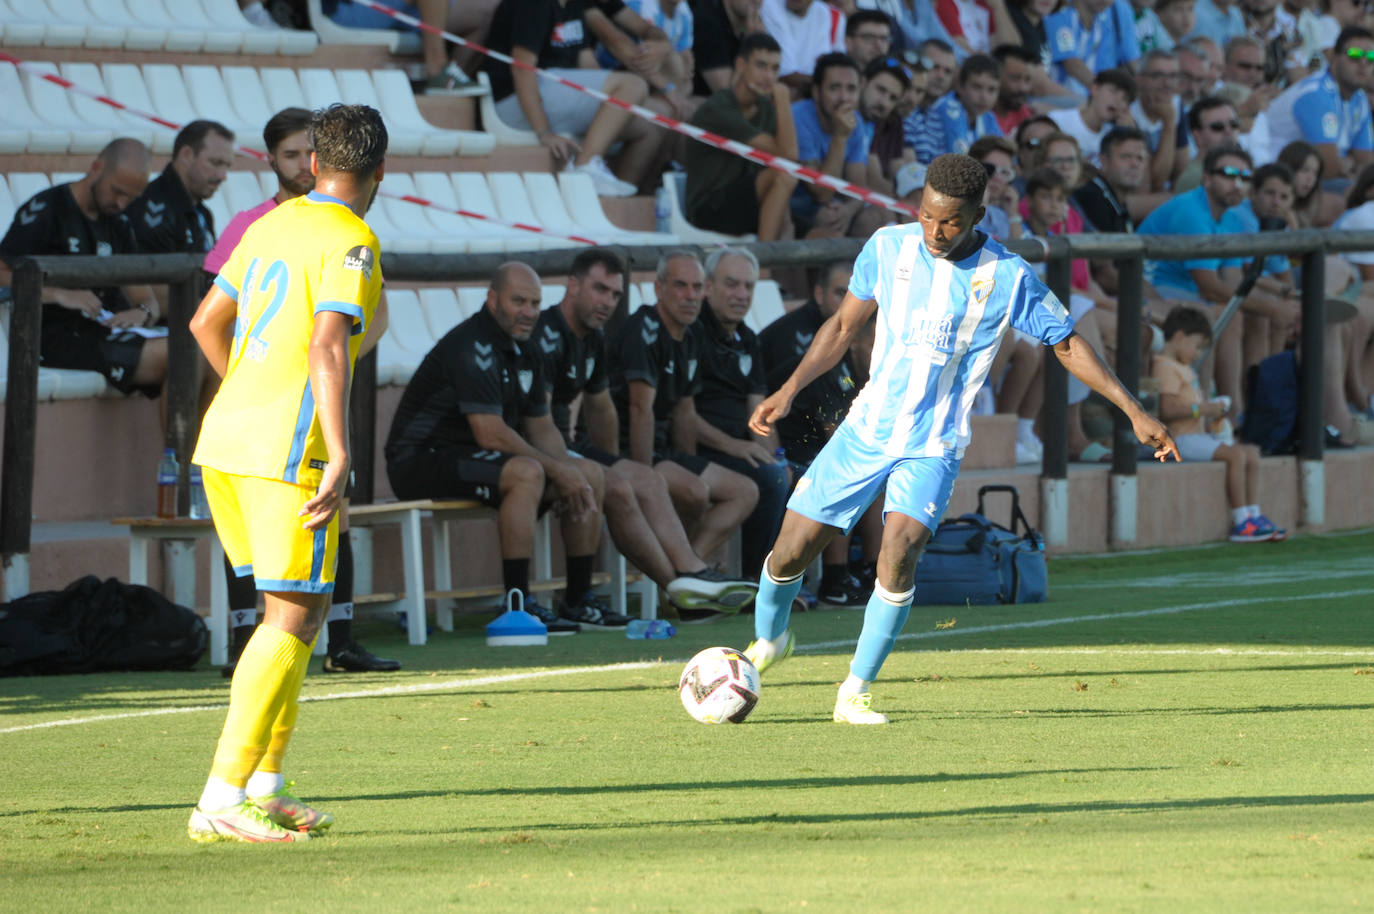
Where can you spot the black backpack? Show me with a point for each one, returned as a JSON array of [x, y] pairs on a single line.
[[97, 626], [1271, 404]]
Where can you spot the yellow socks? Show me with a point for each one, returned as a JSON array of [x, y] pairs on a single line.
[[266, 681]]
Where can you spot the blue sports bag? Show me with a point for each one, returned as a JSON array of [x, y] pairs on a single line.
[[971, 560]]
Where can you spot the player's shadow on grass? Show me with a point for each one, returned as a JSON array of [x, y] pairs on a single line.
[[964, 812]]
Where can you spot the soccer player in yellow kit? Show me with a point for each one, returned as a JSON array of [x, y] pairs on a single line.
[[283, 326]]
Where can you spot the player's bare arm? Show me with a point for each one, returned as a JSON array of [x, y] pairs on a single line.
[[373, 334], [1083, 362], [213, 327], [330, 375], [829, 346]]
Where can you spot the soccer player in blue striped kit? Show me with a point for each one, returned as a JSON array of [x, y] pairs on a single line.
[[944, 293]]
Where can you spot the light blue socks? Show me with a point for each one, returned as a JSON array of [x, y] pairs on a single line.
[[773, 605], [883, 619]]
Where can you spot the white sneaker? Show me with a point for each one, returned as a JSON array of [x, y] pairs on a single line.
[[1026, 454], [855, 708], [607, 184]]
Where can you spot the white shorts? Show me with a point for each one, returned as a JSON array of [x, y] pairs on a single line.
[[847, 475], [1197, 447]]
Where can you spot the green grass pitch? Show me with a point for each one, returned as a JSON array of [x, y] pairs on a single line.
[[1174, 731]]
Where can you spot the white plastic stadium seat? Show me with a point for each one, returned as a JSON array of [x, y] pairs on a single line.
[[413, 218], [218, 205], [42, 137], [435, 187], [141, 32], [267, 181], [8, 205], [250, 101], [475, 196], [501, 132], [98, 114], [331, 32], [541, 188], [440, 310], [153, 14], [398, 104], [225, 14], [57, 32], [584, 205], [634, 297], [217, 38], [124, 83], [356, 88], [100, 32], [241, 190], [52, 104], [20, 28], [407, 323], [24, 184], [767, 305], [514, 205], [676, 183], [171, 100], [471, 299], [283, 89], [210, 99], [647, 293]]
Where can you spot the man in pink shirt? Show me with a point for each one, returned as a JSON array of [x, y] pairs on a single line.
[[289, 148]]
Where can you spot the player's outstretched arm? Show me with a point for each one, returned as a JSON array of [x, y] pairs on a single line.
[[829, 346], [1083, 362], [212, 326]]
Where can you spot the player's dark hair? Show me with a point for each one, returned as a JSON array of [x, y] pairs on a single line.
[[978, 65], [1186, 319], [892, 67], [1119, 77], [1225, 151], [1272, 170], [1202, 106], [194, 134], [1003, 52], [1045, 179], [830, 61], [757, 41], [283, 124], [1118, 135], [608, 260], [1352, 33], [959, 176], [348, 138], [866, 17]]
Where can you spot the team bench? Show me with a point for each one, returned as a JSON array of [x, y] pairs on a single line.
[[410, 515]]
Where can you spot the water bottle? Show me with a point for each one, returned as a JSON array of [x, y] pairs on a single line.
[[780, 455], [649, 629], [168, 471], [662, 217], [200, 508]]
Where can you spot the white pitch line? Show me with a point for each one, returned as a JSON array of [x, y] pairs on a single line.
[[422, 687], [1161, 652]]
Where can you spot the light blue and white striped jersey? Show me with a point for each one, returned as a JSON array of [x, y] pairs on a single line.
[[938, 327]]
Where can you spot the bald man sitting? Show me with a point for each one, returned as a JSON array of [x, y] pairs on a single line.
[[474, 422], [92, 329]]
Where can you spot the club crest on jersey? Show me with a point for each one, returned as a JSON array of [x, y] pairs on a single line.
[[360, 259], [691, 369], [103, 249], [526, 379], [982, 288], [746, 362], [590, 365]]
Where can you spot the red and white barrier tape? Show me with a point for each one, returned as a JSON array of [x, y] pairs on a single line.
[[262, 156], [743, 150]]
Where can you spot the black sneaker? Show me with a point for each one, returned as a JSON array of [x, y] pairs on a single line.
[[354, 658], [608, 618], [847, 593], [555, 623], [709, 589]]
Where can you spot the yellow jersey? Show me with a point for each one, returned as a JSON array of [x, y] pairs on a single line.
[[308, 255]]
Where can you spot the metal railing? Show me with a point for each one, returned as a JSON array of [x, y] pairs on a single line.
[[182, 273]]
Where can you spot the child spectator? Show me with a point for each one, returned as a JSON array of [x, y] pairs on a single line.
[[1182, 406], [1108, 102]]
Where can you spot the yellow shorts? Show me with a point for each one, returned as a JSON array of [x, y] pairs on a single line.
[[259, 525]]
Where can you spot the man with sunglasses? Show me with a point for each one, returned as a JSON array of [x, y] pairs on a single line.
[[1330, 110], [1212, 122], [1208, 281]]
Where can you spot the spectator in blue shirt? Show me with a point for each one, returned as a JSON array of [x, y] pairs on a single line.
[[1219, 20], [1211, 281], [1086, 37], [922, 128], [966, 113], [829, 139], [1330, 109]]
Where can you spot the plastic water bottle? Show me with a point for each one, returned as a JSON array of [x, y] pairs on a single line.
[[200, 508], [662, 217], [780, 455], [650, 629], [168, 471]]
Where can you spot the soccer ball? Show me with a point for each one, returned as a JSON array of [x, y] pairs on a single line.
[[719, 685]]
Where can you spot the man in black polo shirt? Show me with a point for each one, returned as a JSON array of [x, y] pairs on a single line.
[[733, 382], [655, 377], [788, 337], [92, 329], [170, 217], [474, 423], [639, 510]]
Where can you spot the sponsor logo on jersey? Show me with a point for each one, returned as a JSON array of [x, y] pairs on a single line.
[[360, 259]]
